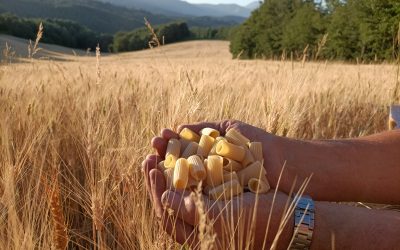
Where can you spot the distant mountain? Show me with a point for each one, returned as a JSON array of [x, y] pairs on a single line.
[[106, 17], [182, 8]]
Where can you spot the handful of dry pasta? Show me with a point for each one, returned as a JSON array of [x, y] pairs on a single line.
[[224, 166]]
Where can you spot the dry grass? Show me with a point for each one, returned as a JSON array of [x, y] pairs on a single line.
[[55, 118]]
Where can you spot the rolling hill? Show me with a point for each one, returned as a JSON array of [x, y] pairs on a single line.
[[103, 17], [182, 8]]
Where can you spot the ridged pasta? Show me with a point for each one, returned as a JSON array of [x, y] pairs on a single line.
[[231, 165], [190, 150], [226, 190], [248, 158], [196, 168], [205, 145], [189, 135], [256, 150], [181, 174], [210, 132], [161, 166], [184, 144], [214, 169], [192, 183], [213, 150], [258, 186], [231, 151], [170, 161], [255, 170], [235, 137], [173, 148]]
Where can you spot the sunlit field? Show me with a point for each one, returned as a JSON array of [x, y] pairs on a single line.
[[73, 131]]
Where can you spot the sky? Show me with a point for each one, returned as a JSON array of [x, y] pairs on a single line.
[[240, 2]]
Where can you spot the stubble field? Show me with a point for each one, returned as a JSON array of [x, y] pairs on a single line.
[[73, 135]]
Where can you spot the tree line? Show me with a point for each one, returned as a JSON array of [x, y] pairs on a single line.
[[331, 29]]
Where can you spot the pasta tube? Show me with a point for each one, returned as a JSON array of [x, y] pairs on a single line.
[[213, 150], [235, 137], [230, 176], [170, 161], [226, 190], [169, 177], [181, 174], [189, 135], [214, 170], [173, 148], [190, 150], [231, 165], [231, 151], [196, 168], [256, 150], [210, 132], [255, 170], [258, 186], [205, 145], [248, 158]]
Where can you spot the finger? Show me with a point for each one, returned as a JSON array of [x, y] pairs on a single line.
[[199, 126], [168, 134], [154, 157], [160, 144], [147, 166], [157, 187], [180, 231]]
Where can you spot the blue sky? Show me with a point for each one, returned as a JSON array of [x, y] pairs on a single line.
[[240, 2]]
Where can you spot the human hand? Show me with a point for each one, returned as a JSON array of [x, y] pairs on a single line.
[[230, 221], [271, 151]]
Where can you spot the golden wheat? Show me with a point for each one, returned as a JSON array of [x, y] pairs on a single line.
[[54, 115]]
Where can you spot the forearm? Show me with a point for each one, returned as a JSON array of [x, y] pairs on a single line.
[[345, 227], [365, 169]]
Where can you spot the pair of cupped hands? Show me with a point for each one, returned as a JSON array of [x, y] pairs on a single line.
[[254, 213]]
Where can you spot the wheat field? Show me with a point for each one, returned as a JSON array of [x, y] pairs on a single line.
[[73, 132]]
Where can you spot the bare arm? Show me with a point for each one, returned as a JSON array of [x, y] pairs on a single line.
[[365, 169]]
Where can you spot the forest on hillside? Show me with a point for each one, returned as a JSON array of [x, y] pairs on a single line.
[[332, 29]]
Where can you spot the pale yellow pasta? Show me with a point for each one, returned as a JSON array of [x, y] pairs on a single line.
[[258, 186], [230, 176], [226, 190], [256, 150], [231, 165], [213, 150], [169, 178], [190, 150], [214, 169], [255, 170], [205, 145], [196, 168], [170, 161], [181, 174], [189, 135], [210, 132], [184, 144], [248, 158], [235, 137], [173, 148], [161, 165], [231, 151]]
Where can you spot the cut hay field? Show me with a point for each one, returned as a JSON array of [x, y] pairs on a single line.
[[72, 135]]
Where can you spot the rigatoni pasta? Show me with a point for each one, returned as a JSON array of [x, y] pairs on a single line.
[[256, 150], [221, 166], [196, 168], [189, 135], [205, 144], [181, 174], [231, 151], [258, 186]]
